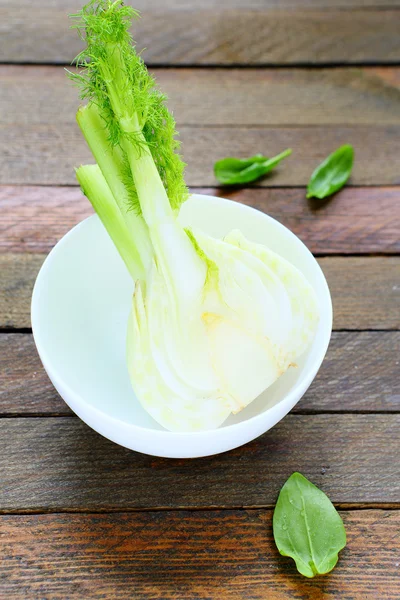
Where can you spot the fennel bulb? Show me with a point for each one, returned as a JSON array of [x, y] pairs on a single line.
[[213, 322]]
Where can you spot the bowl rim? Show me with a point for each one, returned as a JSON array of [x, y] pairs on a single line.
[[289, 399]]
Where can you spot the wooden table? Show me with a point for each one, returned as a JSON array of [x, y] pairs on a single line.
[[84, 518]]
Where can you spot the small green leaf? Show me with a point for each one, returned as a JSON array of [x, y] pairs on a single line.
[[233, 171], [307, 527], [331, 175]]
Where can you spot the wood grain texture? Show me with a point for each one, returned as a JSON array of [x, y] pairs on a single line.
[[56, 464], [35, 218], [224, 97], [359, 373], [40, 155], [365, 290], [17, 277], [355, 221], [39, 144], [174, 555], [59, 463], [215, 32], [24, 385]]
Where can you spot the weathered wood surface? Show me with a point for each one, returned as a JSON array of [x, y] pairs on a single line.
[[223, 97], [59, 463], [365, 290], [47, 154], [24, 386], [355, 221], [173, 555], [35, 218], [51, 461], [359, 373], [217, 32], [17, 277], [221, 113]]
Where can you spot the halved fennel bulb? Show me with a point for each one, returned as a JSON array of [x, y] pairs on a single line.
[[194, 360], [213, 322]]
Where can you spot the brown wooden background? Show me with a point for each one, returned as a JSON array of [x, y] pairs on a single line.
[[81, 517]]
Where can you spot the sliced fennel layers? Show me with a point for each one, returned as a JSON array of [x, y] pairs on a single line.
[[194, 363], [213, 322]]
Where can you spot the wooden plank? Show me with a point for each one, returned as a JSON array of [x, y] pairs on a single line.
[[360, 372], [355, 221], [365, 290], [203, 146], [227, 32], [224, 97], [24, 386], [35, 218], [59, 463], [39, 144], [376, 279], [17, 277], [170, 555], [40, 155], [36, 157], [341, 384]]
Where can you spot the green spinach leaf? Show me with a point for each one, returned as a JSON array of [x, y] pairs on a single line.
[[234, 171], [331, 175], [307, 527]]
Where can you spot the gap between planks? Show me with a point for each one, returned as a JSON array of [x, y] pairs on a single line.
[[198, 188], [340, 506], [66, 415], [248, 67], [28, 330]]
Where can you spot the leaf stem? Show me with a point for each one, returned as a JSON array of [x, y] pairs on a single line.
[[111, 162], [95, 188]]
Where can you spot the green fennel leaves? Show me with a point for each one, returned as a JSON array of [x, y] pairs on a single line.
[[234, 171], [331, 175], [307, 527], [133, 114]]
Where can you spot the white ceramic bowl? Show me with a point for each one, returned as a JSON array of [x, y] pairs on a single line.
[[80, 307]]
